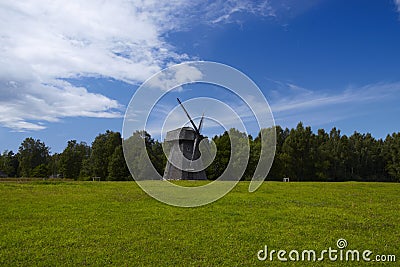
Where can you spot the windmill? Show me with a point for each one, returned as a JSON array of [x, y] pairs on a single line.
[[185, 142]]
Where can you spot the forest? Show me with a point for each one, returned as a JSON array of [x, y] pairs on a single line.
[[300, 154]]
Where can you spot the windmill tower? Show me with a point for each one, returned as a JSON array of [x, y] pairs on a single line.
[[185, 142]]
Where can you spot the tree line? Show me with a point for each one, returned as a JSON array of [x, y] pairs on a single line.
[[300, 155]]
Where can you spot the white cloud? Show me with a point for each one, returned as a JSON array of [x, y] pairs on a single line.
[[179, 75], [43, 41], [397, 3], [27, 104]]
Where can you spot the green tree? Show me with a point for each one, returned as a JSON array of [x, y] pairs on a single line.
[[9, 163], [155, 152], [218, 166], [334, 146], [278, 169], [32, 153], [86, 170], [103, 148], [255, 149], [300, 154], [138, 157], [40, 171], [298, 159], [72, 157], [322, 155], [54, 165], [117, 169], [365, 156], [392, 156], [239, 151]]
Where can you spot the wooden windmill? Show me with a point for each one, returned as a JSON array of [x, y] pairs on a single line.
[[185, 142]]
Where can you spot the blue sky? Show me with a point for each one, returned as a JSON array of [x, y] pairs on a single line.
[[68, 69]]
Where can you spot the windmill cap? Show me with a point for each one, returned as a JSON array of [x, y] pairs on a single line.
[[185, 133]]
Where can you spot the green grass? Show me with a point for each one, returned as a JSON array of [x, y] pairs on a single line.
[[102, 223]]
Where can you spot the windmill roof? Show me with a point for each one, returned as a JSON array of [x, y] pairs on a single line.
[[185, 133]]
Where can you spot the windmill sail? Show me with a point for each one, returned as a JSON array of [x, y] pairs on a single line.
[[190, 119], [201, 122], [198, 137]]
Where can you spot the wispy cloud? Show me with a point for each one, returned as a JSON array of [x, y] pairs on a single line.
[[397, 3], [290, 103], [230, 11], [293, 103]]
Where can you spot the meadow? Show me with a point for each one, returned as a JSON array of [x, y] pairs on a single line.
[[116, 223]]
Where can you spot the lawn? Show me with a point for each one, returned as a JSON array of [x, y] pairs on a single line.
[[116, 223]]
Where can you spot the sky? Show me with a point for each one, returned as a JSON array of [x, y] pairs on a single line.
[[68, 69]]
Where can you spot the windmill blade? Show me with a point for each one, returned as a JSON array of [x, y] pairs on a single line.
[[201, 122], [194, 147], [187, 114]]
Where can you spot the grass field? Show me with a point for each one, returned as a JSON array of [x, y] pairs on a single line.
[[102, 223]]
